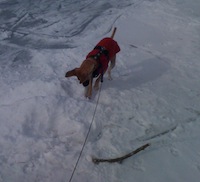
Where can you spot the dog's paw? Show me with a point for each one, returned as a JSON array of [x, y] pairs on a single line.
[[109, 77], [88, 97], [88, 94]]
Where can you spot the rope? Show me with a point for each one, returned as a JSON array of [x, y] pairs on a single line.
[[86, 135]]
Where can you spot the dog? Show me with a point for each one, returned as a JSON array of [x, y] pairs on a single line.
[[96, 64]]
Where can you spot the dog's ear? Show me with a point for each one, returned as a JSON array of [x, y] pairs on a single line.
[[71, 73]]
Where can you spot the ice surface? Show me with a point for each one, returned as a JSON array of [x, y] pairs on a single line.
[[154, 96]]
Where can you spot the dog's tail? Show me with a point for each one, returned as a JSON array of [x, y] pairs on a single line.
[[113, 33]]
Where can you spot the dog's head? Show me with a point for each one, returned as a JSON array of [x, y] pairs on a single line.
[[82, 77]]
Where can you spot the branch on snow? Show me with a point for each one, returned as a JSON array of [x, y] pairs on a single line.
[[120, 159]]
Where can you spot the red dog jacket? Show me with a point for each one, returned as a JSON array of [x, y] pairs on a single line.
[[110, 49]]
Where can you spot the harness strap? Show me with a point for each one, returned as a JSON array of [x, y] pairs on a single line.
[[102, 50]]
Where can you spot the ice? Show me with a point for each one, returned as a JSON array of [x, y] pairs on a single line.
[[153, 97]]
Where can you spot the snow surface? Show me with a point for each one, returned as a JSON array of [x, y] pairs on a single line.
[[154, 96]]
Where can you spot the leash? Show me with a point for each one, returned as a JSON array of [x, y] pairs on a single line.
[[86, 138], [95, 110]]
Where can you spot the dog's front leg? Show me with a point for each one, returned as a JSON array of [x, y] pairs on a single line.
[[96, 85], [88, 93]]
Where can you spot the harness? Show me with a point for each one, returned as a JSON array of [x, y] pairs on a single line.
[[102, 50]]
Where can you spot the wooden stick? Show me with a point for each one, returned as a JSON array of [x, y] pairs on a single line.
[[113, 33], [120, 159]]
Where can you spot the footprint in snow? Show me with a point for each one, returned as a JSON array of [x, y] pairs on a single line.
[[174, 152]]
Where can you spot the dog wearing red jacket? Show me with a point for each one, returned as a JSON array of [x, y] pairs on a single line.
[[96, 64]]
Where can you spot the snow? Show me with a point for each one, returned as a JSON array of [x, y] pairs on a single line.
[[154, 96]]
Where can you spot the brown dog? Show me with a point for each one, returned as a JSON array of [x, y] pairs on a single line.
[[96, 64]]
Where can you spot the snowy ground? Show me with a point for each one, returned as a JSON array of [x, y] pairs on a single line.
[[154, 96]]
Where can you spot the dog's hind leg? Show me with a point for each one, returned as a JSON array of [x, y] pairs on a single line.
[[112, 65]]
